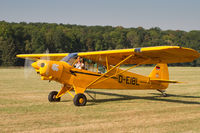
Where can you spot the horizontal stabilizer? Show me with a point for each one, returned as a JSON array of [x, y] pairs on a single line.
[[165, 81]]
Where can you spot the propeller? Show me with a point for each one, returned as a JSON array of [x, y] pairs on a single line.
[[28, 69], [47, 55], [47, 58]]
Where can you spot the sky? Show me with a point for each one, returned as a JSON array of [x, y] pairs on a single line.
[[166, 14]]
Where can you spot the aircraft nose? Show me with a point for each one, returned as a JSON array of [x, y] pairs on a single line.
[[44, 68], [35, 65]]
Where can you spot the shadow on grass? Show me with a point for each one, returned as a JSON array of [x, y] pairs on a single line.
[[158, 97], [174, 95], [65, 100]]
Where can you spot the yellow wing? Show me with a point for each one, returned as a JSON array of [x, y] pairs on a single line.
[[55, 57], [145, 55]]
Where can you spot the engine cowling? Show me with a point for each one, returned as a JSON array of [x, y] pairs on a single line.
[[53, 70]]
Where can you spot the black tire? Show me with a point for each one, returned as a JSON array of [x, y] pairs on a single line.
[[164, 94], [52, 97], [80, 100]]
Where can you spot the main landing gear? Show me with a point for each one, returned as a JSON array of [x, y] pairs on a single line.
[[52, 97], [79, 99], [163, 93]]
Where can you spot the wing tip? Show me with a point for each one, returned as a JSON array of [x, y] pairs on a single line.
[[20, 56]]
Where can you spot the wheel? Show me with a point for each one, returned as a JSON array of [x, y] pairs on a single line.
[[80, 100], [164, 94], [52, 97]]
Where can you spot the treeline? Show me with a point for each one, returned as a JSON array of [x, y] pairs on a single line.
[[19, 38]]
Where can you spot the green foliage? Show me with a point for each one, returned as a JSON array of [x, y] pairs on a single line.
[[19, 38]]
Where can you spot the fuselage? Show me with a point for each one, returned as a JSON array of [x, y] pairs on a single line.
[[66, 74]]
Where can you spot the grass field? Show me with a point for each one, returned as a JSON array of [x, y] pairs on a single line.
[[24, 106]]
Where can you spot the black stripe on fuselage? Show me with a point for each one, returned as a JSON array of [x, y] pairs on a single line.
[[85, 73], [90, 74]]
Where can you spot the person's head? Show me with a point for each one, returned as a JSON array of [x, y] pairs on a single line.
[[81, 60], [78, 59]]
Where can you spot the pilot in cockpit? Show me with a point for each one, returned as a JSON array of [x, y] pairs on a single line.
[[80, 63]]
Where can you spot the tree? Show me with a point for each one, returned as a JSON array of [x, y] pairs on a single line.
[[19, 38]]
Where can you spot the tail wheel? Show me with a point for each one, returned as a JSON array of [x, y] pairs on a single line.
[[164, 94], [80, 100], [52, 97]]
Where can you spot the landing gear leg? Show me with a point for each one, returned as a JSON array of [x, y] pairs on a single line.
[[163, 93]]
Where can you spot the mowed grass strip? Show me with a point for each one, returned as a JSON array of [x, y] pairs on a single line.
[[24, 106]]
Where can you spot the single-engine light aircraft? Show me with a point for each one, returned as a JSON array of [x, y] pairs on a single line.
[[101, 69]]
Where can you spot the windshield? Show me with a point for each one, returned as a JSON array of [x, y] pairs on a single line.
[[70, 58]]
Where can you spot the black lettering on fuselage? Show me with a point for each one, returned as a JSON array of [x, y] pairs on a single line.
[[134, 81], [127, 80], [120, 79]]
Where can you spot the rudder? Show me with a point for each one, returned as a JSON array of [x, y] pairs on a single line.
[[160, 71]]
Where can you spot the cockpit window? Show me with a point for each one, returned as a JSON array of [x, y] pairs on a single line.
[[101, 69], [70, 59], [94, 67]]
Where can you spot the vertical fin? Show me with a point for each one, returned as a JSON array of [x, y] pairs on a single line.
[[160, 71]]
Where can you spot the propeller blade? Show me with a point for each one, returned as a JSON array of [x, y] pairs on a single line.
[[47, 58], [28, 69], [47, 55]]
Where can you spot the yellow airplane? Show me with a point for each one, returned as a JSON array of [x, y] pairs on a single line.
[[101, 69]]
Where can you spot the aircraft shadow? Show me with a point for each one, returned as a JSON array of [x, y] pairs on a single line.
[[158, 97], [65, 101], [173, 95]]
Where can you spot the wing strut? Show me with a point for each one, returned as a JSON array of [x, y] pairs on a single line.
[[110, 70], [107, 65]]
